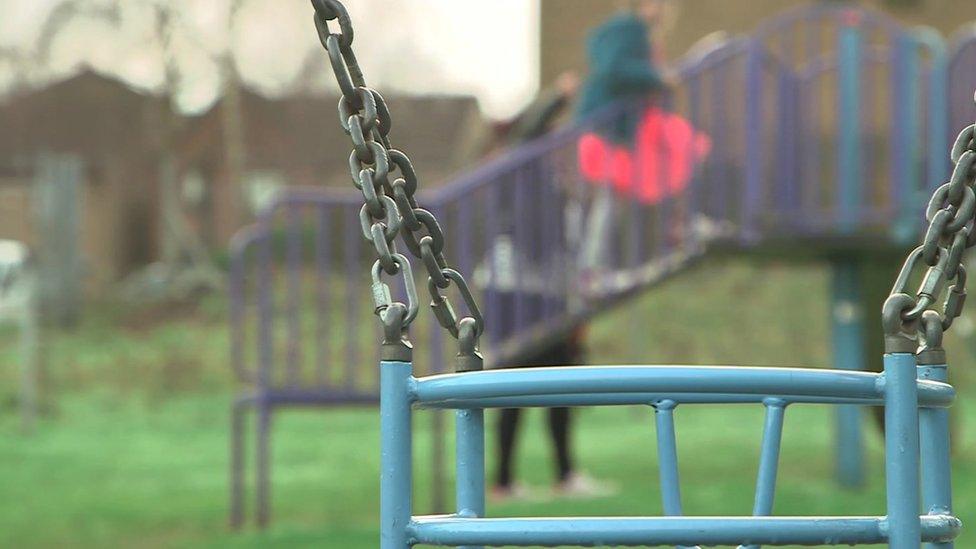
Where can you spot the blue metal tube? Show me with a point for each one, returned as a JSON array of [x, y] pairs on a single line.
[[849, 161], [901, 450], [667, 457], [768, 460], [935, 448], [470, 461], [653, 531], [530, 384], [936, 105], [396, 455], [848, 336], [640, 399]]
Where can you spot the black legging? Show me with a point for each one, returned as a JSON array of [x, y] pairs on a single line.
[[558, 429], [567, 351]]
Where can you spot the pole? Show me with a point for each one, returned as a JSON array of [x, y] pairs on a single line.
[[848, 345]]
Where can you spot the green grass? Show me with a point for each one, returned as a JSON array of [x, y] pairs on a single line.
[[132, 448]]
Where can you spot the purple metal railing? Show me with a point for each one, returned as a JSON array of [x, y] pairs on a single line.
[[771, 174]]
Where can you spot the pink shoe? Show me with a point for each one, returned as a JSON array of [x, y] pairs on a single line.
[[504, 494]]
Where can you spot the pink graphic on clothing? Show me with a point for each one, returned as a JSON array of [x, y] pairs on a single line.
[[665, 153]]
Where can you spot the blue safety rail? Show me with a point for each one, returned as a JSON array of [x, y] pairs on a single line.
[[903, 389]]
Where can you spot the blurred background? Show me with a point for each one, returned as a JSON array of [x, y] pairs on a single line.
[[181, 258]]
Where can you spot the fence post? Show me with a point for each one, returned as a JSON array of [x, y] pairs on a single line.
[[57, 201]]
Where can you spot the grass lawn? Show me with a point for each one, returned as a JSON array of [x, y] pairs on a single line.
[[132, 448]]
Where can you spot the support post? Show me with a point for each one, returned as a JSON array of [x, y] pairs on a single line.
[[768, 460], [396, 455], [667, 458], [470, 464], [848, 345], [902, 451], [849, 154], [470, 433], [935, 454]]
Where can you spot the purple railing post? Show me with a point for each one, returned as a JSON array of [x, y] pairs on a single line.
[[752, 195], [354, 272], [294, 292], [265, 339], [323, 279]]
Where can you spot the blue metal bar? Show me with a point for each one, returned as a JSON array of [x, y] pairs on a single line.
[[937, 105], [848, 338], [667, 458], [849, 153], [901, 451], [905, 140], [938, 398], [653, 531], [470, 464], [396, 455], [935, 454], [768, 460], [587, 381]]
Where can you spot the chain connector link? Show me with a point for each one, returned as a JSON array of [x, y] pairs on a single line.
[[380, 294], [901, 334], [955, 300], [931, 351], [396, 345], [469, 357]]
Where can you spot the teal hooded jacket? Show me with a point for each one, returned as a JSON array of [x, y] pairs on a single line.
[[620, 68]]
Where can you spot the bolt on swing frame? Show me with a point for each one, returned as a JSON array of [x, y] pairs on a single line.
[[912, 388]]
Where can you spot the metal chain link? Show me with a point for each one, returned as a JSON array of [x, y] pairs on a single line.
[[391, 209], [951, 213]]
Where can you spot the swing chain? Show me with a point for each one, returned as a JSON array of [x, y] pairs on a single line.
[[951, 213], [390, 209]]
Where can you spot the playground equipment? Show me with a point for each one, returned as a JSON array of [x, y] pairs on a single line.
[[777, 180], [914, 376]]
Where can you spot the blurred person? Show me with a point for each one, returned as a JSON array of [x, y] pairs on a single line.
[[647, 157], [510, 275]]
